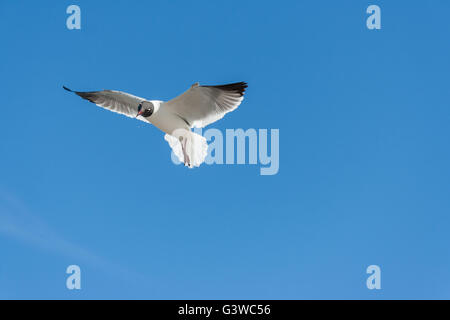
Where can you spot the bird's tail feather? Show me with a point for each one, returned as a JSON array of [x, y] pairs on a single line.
[[195, 145]]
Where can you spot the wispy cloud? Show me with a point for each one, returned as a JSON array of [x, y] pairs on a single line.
[[19, 223]]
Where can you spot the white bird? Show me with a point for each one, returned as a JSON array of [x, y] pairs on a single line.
[[197, 107]]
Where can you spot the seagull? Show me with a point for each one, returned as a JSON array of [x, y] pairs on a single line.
[[197, 107]]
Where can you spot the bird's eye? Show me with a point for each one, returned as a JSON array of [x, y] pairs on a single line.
[[147, 113], [140, 107]]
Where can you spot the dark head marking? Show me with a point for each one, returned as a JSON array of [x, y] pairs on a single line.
[[145, 109], [147, 112]]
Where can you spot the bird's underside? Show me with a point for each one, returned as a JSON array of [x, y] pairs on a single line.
[[199, 106]]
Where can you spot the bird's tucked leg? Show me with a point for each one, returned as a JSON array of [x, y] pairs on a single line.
[[183, 141], [190, 148]]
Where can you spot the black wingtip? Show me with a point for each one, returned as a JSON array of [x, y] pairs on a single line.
[[65, 88], [238, 87]]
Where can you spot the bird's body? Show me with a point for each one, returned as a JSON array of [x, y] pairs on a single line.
[[197, 107], [164, 119]]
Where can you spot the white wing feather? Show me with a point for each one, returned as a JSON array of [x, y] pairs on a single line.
[[203, 105]]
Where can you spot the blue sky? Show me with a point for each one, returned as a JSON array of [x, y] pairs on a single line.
[[364, 159]]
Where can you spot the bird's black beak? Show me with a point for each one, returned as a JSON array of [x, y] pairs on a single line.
[[139, 110]]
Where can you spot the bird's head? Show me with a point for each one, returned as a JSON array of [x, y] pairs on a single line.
[[145, 109]]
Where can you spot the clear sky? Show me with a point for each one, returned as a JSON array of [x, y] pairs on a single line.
[[364, 173]]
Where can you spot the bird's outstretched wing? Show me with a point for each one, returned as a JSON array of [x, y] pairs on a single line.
[[115, 101], [203, 105]]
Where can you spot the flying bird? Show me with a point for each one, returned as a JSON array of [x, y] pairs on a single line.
[[198, 107]]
